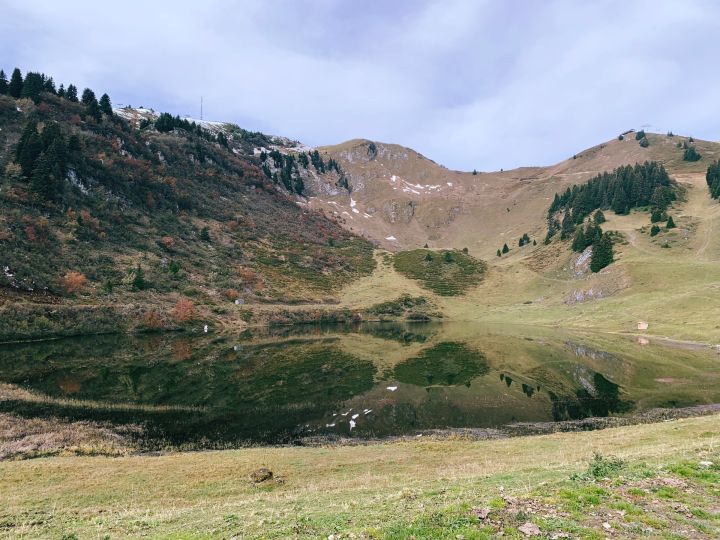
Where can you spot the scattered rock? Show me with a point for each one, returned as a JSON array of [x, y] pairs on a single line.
[[261, 475], [706, 464], [559, 535], [481, 513], [529, 529], [607, 526]]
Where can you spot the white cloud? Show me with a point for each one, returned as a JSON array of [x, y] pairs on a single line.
[[470, 84]]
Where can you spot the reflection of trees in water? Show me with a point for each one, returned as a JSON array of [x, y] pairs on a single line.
[[448, 363], [261, 392], [603, 401]]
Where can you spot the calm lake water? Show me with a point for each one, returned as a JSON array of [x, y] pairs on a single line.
[[370, 380]]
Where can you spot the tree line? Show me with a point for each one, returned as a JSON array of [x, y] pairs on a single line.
[[34, 84], [621, 190]]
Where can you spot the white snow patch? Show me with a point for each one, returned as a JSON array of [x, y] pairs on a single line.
[[393, 178], [352, 206], [392, 388], [390, 238], [449, 184]]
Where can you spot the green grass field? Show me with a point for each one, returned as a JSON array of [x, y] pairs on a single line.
[[663, 488]]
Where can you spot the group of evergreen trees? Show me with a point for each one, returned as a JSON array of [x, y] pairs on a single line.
[[525, 239], [287, 172], [621, 190], [43, 158], [34, 84], [166, 122], [591, 234], [713, 179]]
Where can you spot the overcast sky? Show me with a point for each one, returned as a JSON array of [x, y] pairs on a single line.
[[470, 84]]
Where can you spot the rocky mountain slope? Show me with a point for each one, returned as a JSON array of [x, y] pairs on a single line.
[[402, 200]]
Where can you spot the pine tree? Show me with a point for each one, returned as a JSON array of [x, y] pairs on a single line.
[[90, 102], [61, 91], [32, 86], [138, 282], [691, 154], [49, 86], [106, 109], [498, 253], [644, 142], [505, 248], [448, 256], [205, 234], [3, 83], [29, 153], [578, 243], [670, 223], [428, 257], [568, 226], [71, 93], [602, 254], [16, 84], [654, 230], [599, 217]]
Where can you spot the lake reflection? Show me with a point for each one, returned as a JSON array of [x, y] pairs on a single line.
[[368, 380]]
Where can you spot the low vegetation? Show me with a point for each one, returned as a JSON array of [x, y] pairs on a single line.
[[447, 273], [655, 480], [98, 209]]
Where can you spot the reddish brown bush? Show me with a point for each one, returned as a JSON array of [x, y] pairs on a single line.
[[153, 320], [168, 242], [73, 281], [231, 294], [184, 310]]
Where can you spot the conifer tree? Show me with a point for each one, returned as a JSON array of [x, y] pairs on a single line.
[[49, 86], [71, 93], [32, 86], [3, 83], [602, 254], [670, 223], [61, 91], [599, 217], [16, 84], [29, 154], [656, 216], [654, 230], [106, 108], [578, 243], [505, 248], [498, 253], [90, 102]]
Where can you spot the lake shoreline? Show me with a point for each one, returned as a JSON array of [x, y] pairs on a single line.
[[30, 438]]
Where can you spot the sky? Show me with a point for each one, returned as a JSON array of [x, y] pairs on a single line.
[[470, 84]]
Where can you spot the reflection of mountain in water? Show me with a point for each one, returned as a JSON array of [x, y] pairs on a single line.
[[600, 399], [262, 393], [446, 364]]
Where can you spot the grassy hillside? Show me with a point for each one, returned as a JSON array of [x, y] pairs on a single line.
[[145, 217], [662, 483], [403, 200], [447, 273]]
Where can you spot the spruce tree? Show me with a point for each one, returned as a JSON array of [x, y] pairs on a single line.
[[71, 93], [29, 153], [498, 253], [602, 254], [16, 84], [578, 243], [32, 86], [106, 108], [90, 102], [670, 223], [49, 86], [505, 248], [654, 230], [61, 91], [656, 216], [3, 83], [599, 217]]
